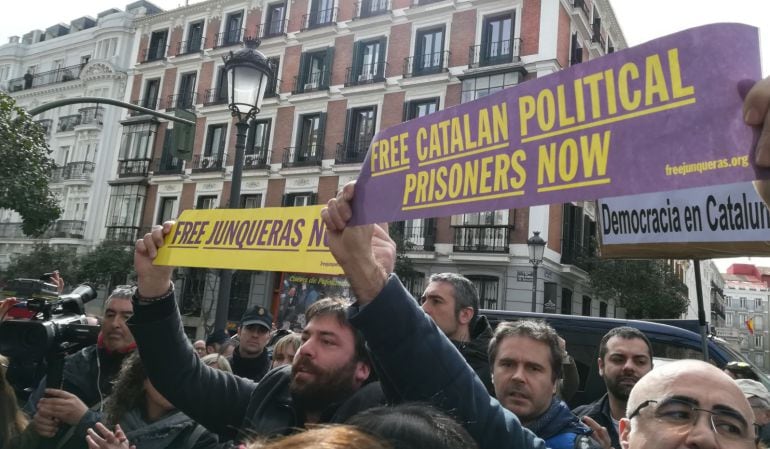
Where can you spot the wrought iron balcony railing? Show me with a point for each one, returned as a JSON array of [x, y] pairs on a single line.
[[128, 168], [260, 159], [190, 46], [215, 162], [312, 82], [60, 75], [68, 123], [215, 95], [493, 53], [167, 165], [149, 103], [230, 37], [93, 115], [418, 235], [317, 19], [274, 28], [154, 53], [370, 8], [82, 171], [352, 152], [303, 156], [66, 229], [426, 64], [185, 101], [366, 74], [481, 239], [125, 234], [46, 124], [11, 231], [575, 253]]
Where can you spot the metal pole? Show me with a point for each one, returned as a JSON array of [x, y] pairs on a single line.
[[701, 311], [98, 100], [534, 287], [226, 276]]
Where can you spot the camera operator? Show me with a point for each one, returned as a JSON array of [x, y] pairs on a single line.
[[87, 376]]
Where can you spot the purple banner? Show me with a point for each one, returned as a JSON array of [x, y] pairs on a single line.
[[664, 115]]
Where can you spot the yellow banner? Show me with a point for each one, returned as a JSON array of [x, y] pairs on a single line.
[[270, 239]]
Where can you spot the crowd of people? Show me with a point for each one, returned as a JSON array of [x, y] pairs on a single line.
[[388, 371]]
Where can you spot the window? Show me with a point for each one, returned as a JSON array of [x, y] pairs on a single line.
[[373, 7], [486, 218], [206, 202], [151, 92], [125, 205], [759, 341], [219, 93], [586, 306], [215, 140], [729, 319], [429, 51], [233, 30], [368, 61], [194, 37], [487, 287], [758, 322], [85, 58], [576, 52], [186, 97], [251, 201], [314, 71], [744, 302], [167, 209], [481, 86], [549, 297], [603, 309], [415, 284], [310, 138], [274, 21], [758, 303], [239, 294], [741, 320], [258, 138], [497, 39], [420, 108], [299, 199], [136, 141], [157, 48], [321, 13], [360, 131], [273, 83], [759, 360], [566, 301]]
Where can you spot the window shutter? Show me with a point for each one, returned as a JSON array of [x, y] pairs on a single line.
[[250, 137], [381, 62], [285, 200], [356, 69], [314, 198], [302, 78], [327, 73], [348, 138], [322, 134]]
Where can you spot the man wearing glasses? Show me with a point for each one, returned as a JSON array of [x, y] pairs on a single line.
[[690, 404]]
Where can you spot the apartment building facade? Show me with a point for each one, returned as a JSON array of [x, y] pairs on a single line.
[[746, 313], [343, 71], [87, 57]]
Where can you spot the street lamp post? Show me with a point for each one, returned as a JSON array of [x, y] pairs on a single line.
[[248, 75], [536, 246]]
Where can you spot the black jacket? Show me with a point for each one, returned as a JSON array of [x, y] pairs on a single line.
[[228, 405], [476, 353], [254, 368], [599, 411]]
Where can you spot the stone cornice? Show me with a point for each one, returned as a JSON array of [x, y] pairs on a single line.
[[215, 6]]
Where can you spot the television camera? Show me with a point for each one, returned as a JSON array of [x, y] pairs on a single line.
[[57, 328]]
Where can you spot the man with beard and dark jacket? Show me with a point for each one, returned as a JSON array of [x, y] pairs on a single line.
[[57, 414], [452, 301], [625, 355], [327, 382], [527, 360]]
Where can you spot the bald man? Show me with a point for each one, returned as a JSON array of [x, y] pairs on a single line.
[[690, 404]]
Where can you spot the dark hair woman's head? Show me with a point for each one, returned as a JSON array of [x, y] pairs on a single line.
[[12, 420]]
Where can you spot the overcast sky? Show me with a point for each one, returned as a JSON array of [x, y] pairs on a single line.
[[639, 20]]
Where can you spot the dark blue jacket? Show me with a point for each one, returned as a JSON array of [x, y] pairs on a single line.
[[417, 362], [561, 429]]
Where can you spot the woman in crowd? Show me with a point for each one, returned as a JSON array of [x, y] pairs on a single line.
[[217, 361], [12, 420], [284, 350]]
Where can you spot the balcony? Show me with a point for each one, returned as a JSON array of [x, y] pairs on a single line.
[[149, 103], [154, 53], [418, 235], [66, 229], [46, 124], [314, 82], [72, 171], [426, 64], [318, 19], [11, 231], [125, 234], [481, 239], [305, 156], [190, 46], [259, 160], [274, 28], [582, 4], [574, 253], [352, 152], [370, 8], [68, 123], [129, 168], [596, 33], [366, 74], [229, 37], [494, 53], [215, 96], [60, 75], [202, 164], [185, 101], [167, 165], [93, 115]]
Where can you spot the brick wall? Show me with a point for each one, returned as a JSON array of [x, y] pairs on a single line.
[[169, 81], [253, 19], [212, 29], [392, 109], [136, 87], [282, 139], [298, 9], [343, 58], [144, 42], [224, 197], [453, 95], [444, 232], [187, 198], [520, 225], [205, 80], [335, 126], [555, 222], [200, 133], [327, 188], [399, 43], [174, 39], [160, 137], [563, 38], [290, 67], [462, 37], [530, 27], [275, 188], [149, 205]]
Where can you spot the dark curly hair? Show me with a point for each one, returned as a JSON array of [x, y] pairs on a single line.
[[128, 390]]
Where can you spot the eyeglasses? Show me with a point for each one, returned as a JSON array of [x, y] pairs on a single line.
[[682, 415]]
